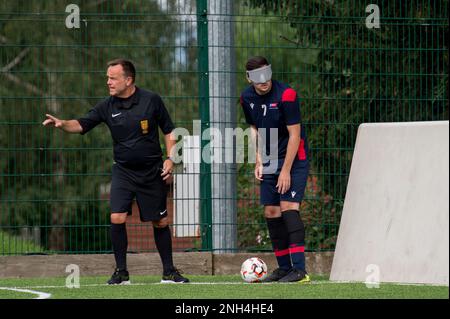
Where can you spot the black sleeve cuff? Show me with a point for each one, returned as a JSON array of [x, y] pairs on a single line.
[[84, 125], [168, 129]]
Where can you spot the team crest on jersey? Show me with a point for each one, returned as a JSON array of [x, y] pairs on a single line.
[[273, 106], [252, 105], [144, 126]]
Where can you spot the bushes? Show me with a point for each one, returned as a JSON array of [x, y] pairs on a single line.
[[16, 245]]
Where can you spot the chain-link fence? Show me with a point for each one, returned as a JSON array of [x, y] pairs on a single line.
[[351, 62]]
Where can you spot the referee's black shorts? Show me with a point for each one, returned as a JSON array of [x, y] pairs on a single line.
[[144, 184]]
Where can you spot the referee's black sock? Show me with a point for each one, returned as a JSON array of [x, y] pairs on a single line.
[[163, 241], [120, 244]]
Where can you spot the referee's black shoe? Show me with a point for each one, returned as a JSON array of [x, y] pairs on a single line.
[[173, 276], [119, 277]]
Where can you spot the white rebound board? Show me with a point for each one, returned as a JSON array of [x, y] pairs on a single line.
[[396, 209]]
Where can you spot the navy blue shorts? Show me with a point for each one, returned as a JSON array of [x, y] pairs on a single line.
[[145, 184], [299, 176]]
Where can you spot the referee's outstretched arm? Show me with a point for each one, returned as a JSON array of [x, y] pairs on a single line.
[[69, 126]]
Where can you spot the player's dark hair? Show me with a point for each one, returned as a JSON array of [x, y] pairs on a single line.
[[256, 62], [128, 67]]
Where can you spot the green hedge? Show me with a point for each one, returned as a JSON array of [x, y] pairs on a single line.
[[15, 245]]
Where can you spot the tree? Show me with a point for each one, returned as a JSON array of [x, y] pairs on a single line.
[[347, 74], [395, 73], [50, 179]]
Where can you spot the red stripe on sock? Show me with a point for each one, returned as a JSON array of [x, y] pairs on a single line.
[[280, 253], [298, 249]]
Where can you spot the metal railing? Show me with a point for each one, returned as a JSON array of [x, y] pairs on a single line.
[[348, 66]]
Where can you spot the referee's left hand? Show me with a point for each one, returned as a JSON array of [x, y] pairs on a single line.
[[167, 169]]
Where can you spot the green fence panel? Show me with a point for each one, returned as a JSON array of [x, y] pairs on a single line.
[[348, 68], [348, 71]]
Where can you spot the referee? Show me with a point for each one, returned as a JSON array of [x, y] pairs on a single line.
[[133, 115]]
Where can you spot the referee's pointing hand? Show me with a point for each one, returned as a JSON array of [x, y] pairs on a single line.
[[51, 120]]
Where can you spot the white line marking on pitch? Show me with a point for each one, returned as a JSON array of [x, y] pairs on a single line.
[[180, 284], [41, 295], [320, 282]]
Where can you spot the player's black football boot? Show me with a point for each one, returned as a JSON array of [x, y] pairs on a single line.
[[296, 275], [276, 275]]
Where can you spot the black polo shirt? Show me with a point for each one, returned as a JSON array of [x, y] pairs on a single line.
[[133, 123]]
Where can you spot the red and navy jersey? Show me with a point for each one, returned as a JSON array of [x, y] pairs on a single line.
[[275, 110]]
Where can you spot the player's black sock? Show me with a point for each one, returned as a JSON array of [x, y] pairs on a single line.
[[120, 243], [296, 230], [163, 242], [279, 237]]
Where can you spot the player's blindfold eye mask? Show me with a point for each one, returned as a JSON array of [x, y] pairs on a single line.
[[261, 75]]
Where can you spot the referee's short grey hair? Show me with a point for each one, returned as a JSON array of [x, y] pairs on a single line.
[[128, 67]]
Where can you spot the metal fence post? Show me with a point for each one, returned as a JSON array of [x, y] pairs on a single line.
[[223, 109], [203, 88]]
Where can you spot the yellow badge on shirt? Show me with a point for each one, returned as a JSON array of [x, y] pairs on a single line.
[[144, 126]]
